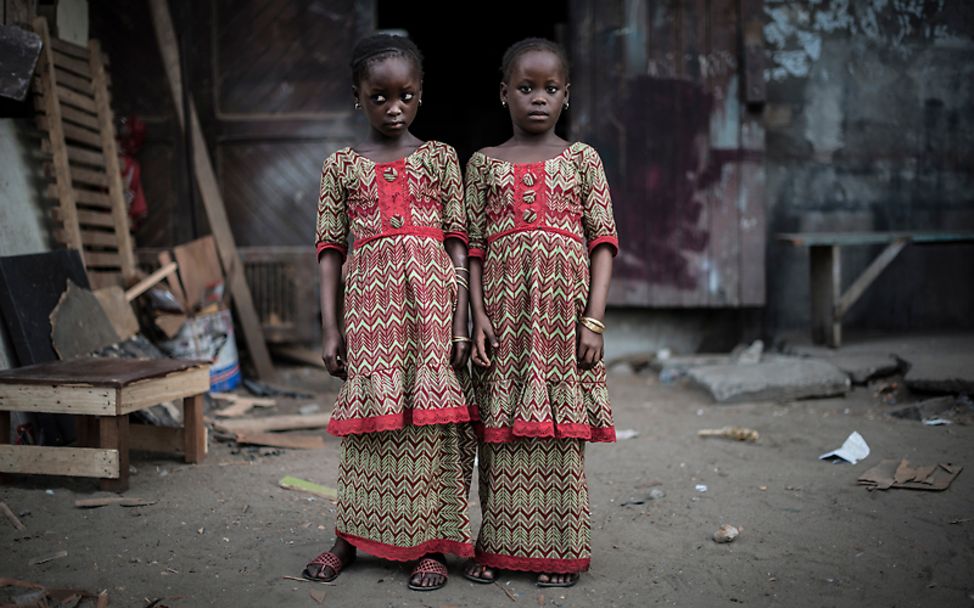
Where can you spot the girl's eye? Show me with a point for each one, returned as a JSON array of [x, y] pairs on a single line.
[[524, 88], [379, 98], [407, 96], [552, 90]]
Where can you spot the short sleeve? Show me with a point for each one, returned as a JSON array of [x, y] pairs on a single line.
[[475, 195], [451, 196], [597, 219], [332, 224]]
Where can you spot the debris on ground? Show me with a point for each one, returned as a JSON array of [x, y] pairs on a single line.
[[271, 423], [281, 440], [737, 433], [41, 596], [16, 523], [623, 434], [239, 404], [778, 379], [899, 474], [123, 501], [289, 482], [47, 558], [852, 451], [726, 534], [654, 494], [261, 389]]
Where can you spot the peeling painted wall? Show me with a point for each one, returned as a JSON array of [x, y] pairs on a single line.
[[870, 126]]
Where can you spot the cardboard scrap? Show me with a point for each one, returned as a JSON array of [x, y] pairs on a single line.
[[892, 474], [289, 482], [79, 325], [278, 440]]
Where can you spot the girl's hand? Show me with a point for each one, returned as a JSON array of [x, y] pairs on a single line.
[[333, 353], [460, 351], [589, 346], [484, 340]]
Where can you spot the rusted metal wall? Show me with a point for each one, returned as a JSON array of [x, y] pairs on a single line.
[[658, 90]]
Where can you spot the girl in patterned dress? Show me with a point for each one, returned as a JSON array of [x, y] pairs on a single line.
[[407, 445], [542, 239]]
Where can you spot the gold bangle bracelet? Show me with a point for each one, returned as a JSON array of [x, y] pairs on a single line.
[[462, 269], [456, 339], [594, 321], [587, 324]]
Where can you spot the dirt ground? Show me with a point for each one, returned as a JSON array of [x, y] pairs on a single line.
[[223, 534]]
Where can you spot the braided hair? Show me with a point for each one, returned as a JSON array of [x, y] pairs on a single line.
[[527, 45], [377, 47]]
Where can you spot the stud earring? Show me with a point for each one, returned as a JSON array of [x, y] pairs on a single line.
[[503, 104], [420, 102], [566, 105], [358, 106]]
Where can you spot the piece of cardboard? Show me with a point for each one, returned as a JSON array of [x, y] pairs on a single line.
[[79, 326], [899, 474]]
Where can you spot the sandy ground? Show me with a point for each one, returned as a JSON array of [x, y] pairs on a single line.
[[223, 534]]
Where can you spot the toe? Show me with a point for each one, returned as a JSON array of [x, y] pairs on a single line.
[[544, 578]]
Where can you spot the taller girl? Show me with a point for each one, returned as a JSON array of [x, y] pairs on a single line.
[[407, 444], [542, 238]]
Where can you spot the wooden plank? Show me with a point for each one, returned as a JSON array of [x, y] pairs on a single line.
[[87, 218], [90, 178], [71, 81], [70, 49], [825, 285], [194, 431], [95, 199], [76, 99], [65, 193], [11, 517], [78, 66], [281, 440], [173, 279], [161, 439], [199, 269], [81, 135], [43, 460], [113, 434], [101, 259], [101, 279], [147, 283], [91, 238], [212, 199], [68, 113], [116, 190], [79, 155], [118, 310], [852, 294], [272, 423], [58, 399], [173, 386], [808, 239]]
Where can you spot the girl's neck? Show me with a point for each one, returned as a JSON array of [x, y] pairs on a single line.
[[542, 140], [380, 148]]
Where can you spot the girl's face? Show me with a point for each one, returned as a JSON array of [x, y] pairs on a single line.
[[389, 95], [536, 92]]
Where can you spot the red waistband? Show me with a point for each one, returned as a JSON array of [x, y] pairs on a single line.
[[542, 227], [434, 233]]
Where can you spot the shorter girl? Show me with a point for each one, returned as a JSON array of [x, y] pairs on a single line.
[[542, 239], [407, 444]]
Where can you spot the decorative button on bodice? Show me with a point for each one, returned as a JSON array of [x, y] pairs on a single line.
[[396, 221], [390, 174], [530, 215], [528, 196], [528, 179]]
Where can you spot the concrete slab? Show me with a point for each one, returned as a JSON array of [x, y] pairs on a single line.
[[780, 379], [946, 372], [861, 366]]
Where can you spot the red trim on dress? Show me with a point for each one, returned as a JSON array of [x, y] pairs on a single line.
[[408, 554], [435, 233], [456, 235], [397, 421], [476, 252], [323, 246], [533, 564], [602, 240], [547, 429], [568, 233]]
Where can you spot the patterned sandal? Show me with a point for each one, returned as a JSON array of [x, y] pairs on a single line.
[[325, 560], [483, 580], [428, 565]]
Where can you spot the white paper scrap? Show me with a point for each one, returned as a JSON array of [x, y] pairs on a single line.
[[852, 451]]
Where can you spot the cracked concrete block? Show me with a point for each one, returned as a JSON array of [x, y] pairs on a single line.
[[781, 379]]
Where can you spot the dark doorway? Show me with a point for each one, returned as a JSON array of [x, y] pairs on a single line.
[[462, 61]]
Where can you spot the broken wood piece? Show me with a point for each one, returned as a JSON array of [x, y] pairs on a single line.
[[147, 283], [16, 523], [91, 503], [118, 310], [49, 558], [79, 326], [199, 269], [272, 423], [737, 433], [165, 258], [240, 404], [278, 440], [170, 323], [289, 482], [899, 474]]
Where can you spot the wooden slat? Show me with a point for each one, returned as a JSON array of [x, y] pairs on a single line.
[[212, 198], [74, 462], [102, 259], [76, 99], [84, 197], [825, 284], [194, 431], [88, 218], [147, 283], [78, 66], [852, 294], [63, 399], [113, 174], [92, 238], [72, 81], [100, 279], [82, 119], [78, 155], [177, 385], [64, 192], [91, 178], [70, 49], [156, 438], [113, 434], [69, 131]]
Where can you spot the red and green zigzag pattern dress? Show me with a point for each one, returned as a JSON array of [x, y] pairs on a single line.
[[403, 413], [534, 225]]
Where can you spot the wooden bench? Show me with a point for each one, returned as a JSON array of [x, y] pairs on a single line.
[[829, 302], [102, 392]]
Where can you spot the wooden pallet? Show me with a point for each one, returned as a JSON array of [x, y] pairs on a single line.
[[74, 110]]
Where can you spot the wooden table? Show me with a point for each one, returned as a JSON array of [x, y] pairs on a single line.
[[829, 302], [102, 392]]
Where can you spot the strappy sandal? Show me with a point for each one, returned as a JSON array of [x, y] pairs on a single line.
[[569, 583], [483, 580], [328, 559], [428, 565]]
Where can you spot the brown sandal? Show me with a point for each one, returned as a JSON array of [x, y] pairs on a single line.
[[328, 559], [428, 565]]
